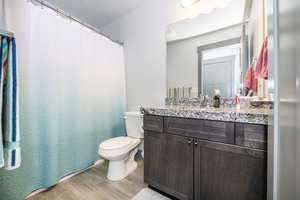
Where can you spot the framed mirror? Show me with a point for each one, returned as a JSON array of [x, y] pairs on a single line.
[[214, 50]]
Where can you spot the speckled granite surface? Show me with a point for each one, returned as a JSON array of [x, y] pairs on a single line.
[[252, 116], [196, 101]]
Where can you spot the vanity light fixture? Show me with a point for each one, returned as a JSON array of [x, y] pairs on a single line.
[[187, 3]]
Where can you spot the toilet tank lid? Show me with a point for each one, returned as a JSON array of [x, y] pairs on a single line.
[[134, 114]]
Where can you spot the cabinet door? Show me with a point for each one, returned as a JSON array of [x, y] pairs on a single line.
[[154, 152], [226, 172], [179, 167]]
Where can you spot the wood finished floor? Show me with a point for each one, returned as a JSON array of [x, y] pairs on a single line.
[[93, 185]]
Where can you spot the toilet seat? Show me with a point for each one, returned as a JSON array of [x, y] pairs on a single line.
[[117, 146], [115, 143]]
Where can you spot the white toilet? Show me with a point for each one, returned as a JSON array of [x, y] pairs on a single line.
[[120, 151]]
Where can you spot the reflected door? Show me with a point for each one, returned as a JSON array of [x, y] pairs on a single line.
[[218, 73]]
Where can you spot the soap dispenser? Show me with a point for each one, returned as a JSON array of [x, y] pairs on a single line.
[[217, 98]]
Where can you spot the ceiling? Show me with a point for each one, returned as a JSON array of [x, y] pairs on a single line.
[[217, 19], [97, 12]]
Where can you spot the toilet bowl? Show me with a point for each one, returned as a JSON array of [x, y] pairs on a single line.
[[120, 151]]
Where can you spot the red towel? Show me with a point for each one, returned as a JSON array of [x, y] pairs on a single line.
[[250, 81], [261, 70]]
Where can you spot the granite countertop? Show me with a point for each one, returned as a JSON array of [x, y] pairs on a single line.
[[251, 116]]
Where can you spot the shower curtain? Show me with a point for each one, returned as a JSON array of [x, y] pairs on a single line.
[[72, 97]]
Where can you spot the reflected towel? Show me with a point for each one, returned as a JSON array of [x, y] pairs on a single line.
[[261, 69], [250, 81]]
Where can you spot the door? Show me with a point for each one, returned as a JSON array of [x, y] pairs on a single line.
[[229, 172], [179, 167], [154, 163], [218, 73]]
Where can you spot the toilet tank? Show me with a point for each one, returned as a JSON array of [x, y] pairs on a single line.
[[134, 124]]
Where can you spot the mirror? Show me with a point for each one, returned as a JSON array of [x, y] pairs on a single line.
[[214, 50]]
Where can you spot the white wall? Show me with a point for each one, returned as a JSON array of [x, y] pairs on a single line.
[[145, 53], [2, 14], [143, 31]]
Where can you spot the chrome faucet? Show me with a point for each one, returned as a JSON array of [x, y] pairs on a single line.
[[204, 100]]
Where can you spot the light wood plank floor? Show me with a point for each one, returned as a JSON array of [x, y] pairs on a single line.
[[93, 185]]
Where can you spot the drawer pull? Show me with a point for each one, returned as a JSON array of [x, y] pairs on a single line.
[[190, 141]]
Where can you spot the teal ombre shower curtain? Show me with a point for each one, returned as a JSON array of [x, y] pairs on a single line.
[[71, 93]]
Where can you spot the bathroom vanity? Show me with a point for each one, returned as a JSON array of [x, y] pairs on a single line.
[[197, 153], [206, 154]]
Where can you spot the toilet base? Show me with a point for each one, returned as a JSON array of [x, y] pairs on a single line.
[[119, 169], [131, 166]]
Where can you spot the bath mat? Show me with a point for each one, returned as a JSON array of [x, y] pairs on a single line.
[[148, 194]]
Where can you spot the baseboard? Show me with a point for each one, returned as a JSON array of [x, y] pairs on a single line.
[[98, 162]]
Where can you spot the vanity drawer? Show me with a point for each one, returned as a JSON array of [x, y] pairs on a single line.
[[217, 131], [153, 123], [251, 135]]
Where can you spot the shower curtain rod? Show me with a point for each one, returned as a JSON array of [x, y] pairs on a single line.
[[65, 14], [4, 32]]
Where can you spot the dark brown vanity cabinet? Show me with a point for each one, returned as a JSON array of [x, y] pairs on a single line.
[[205, 160], [179, 166], [172, 174], [154, 145], [227, 172]]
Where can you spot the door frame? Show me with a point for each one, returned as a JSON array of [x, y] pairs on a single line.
[[202, 48]]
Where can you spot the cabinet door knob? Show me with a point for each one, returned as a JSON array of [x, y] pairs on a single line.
[[190, 141], [196, 142]]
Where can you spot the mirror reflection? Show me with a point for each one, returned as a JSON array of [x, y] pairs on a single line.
[[220, 67], [214, 50]]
